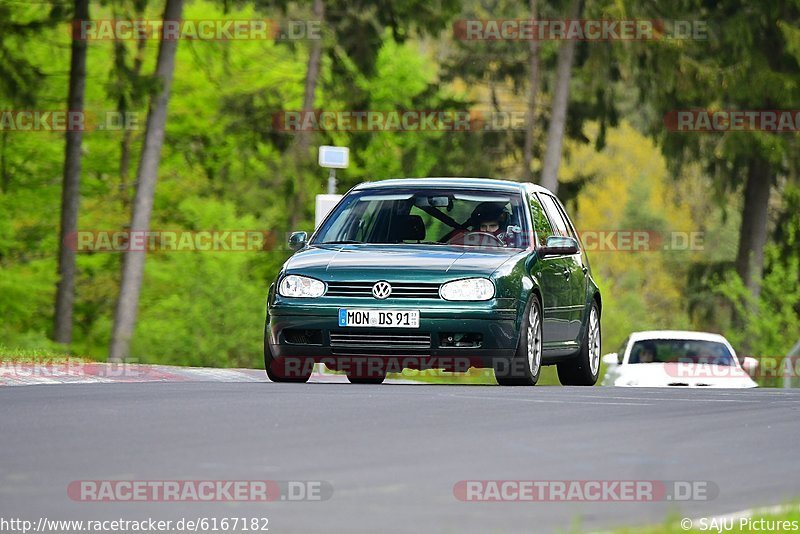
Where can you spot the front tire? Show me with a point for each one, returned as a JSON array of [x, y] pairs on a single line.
[[366, 379], [584, 369], [526, 365], [366, 371]]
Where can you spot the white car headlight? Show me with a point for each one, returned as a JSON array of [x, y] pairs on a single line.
[[468, 289], [301, 286]]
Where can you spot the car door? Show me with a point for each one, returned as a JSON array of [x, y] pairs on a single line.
[[580, 268], [573, 274], [550, 273]]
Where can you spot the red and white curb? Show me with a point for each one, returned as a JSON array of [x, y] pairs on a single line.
[[14, 373]]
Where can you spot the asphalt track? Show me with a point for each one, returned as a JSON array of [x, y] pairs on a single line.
[[393, 453]]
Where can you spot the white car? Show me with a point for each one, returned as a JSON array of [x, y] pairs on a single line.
[[664, 358]]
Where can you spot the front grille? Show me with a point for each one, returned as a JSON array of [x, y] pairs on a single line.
[[400, 290], [380, 341]]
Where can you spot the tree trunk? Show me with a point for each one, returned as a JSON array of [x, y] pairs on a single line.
[[753, 232], [530, 122], [312, 76], [299, 149], [133, 261], [4, 177], [70, 192], [558, 117], [127, 134], [125, 80]]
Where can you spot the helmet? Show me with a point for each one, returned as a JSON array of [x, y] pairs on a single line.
[[490, 211]]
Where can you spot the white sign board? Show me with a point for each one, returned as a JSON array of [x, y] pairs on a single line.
[[334, 157]]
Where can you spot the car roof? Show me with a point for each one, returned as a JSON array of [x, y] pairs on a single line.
[[445, 182], [677, 334]]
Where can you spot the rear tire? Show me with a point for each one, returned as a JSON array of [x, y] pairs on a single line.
[[584, 369], [526, 365], [279, 370]]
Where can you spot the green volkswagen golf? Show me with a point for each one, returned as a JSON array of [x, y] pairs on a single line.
[[437, 273]]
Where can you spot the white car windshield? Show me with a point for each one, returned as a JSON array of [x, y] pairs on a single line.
[[471, 218], [681, 350]]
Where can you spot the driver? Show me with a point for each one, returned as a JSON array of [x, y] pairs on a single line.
[[490, 217], [648, 353]]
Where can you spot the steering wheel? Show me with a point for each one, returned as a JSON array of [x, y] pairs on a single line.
[[478, 237]]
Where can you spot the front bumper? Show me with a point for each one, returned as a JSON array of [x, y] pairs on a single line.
[[496, 327]]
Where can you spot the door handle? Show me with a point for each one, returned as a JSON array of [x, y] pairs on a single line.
[[566, 273], [585, 270]]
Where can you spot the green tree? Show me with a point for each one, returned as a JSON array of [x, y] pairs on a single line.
[[133, 264], [749, 61]]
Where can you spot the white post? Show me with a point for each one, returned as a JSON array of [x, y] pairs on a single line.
[[332, 182], [330, 157]]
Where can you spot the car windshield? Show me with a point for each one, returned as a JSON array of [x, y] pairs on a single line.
[[681, 350], [472, 218]]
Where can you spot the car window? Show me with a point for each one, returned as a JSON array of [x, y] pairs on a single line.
[[681, 350], [431, 217], [366, 223], [560, 225], [567, 222], [540, 223], [435, 229], [347, 228]]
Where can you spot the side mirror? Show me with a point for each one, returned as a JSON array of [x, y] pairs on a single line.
[[750, 365], [611, 359], [297, 240], [559, 246]]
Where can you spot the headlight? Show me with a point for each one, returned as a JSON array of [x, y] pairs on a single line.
[[468, 289], [301, 286]]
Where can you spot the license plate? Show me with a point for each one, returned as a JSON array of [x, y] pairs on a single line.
[[379, 318]]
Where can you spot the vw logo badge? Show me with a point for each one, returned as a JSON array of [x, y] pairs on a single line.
[[381, 290]]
